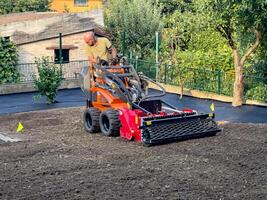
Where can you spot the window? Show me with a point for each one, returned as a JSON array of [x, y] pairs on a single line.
[[65, 56], [80, 2], [7, 38]]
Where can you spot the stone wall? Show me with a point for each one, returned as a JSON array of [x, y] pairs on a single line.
[[27, 52]]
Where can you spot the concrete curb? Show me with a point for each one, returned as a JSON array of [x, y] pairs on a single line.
[[28, 87], [204, 95]]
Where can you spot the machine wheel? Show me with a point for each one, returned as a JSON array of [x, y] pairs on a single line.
[[109, 122], [91, 120]]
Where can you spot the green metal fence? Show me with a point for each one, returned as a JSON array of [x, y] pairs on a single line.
[[70, 70], [200, 78], [148, 68], [203, 79]]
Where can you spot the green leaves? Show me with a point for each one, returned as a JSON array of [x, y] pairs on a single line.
[[12, 6], [49, 78], [258, 93], [239, 16], [138, 19], [9, 60], [203, 33], [190, 42]]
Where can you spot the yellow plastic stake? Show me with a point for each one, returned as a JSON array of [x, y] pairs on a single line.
[[20, 127], [148, 123], [210, 114], [212, 107]]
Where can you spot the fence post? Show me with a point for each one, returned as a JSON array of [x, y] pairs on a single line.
[[136, 63], [165, 74], [131, 57], [123, 43], [219, 82], [60, 48], [157, 55]]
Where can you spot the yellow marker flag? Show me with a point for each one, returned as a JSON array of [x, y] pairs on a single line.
[[20, 127], [212, 107]]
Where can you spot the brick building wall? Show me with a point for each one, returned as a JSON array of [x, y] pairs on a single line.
[[28, 52], [37, 35]]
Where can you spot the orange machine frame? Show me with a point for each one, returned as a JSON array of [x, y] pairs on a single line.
[[104, 99]]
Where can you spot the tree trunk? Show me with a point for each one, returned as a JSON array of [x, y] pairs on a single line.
[[239, 65], [239, 80], [182, 91]]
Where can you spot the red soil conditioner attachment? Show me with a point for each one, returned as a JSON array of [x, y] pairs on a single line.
[[118, 104]]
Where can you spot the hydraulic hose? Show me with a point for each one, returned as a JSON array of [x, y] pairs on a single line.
[[154, 82]]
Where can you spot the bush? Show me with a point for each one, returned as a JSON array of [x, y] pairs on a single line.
[[49, 78], [16, 6], [258, 93], [9, 60], [139, 20]]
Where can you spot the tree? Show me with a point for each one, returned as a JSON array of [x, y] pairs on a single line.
[[188, 42], [9, 60], [243, 24], [261, 56], [49, 78], [170, 6], [14, 6], [138, 19]]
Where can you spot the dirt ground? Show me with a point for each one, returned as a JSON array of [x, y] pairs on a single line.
[[60, 160]]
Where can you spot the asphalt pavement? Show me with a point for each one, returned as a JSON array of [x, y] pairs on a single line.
[[24, 102]]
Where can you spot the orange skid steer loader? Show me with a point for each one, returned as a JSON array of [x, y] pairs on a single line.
[[118, 104]]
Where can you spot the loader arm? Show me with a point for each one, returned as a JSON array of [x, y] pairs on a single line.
[[119, 105]]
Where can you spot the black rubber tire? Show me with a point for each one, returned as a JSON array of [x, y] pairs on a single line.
[[109, 122], [91, 120]]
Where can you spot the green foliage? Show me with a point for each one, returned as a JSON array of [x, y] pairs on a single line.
[[203, 33], [49, 78], [9, 60], [138, 19], [198, 78], [236, 20], [14, 6], [258, 93], [260, 61], [170, 6], [243, 24], [202, 49], [195, 53]]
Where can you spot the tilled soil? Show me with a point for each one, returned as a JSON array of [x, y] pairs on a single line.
[[60, 160]]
